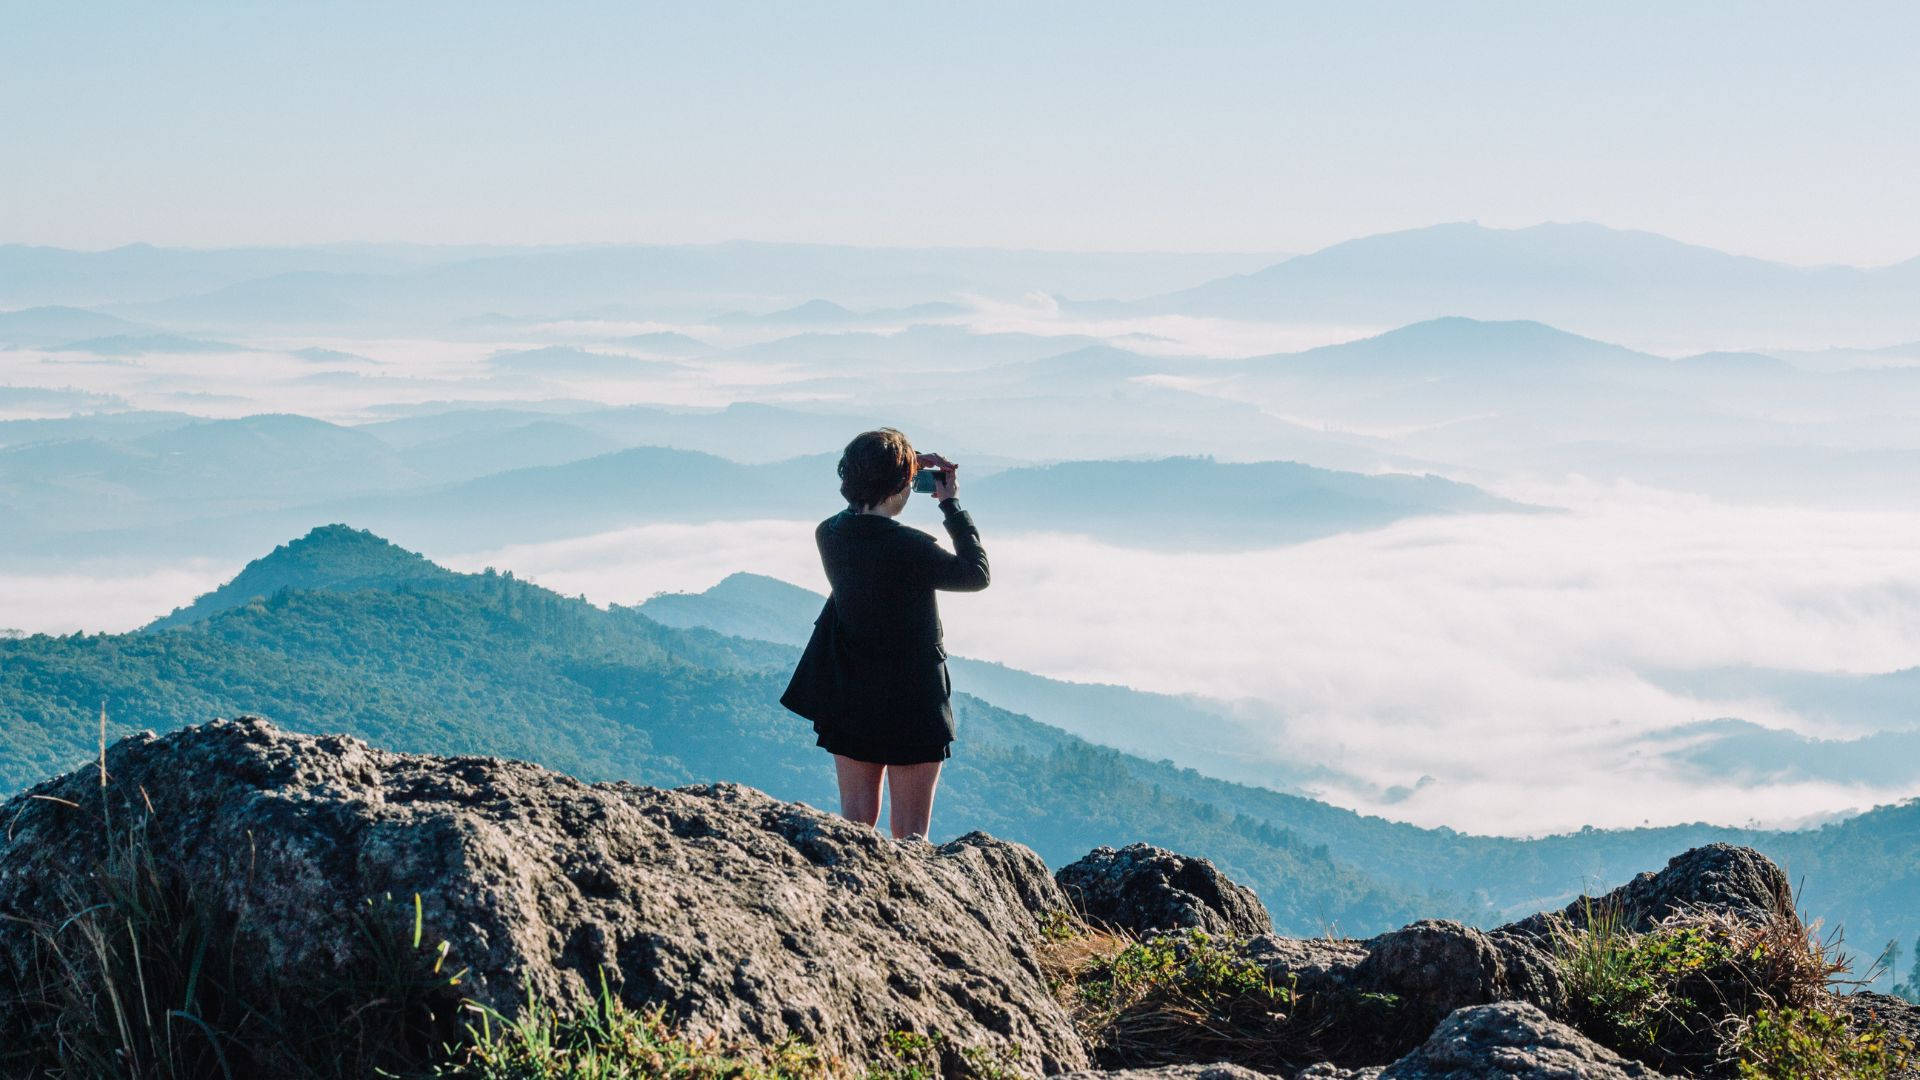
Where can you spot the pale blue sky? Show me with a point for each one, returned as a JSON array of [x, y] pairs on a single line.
[[1781, 130]]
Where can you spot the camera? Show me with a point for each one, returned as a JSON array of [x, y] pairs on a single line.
[[924, 480]]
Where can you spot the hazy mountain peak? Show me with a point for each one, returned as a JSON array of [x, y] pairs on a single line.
[[53, 324], [332, 556], [1455, 345], [816, 306], [816, 310]]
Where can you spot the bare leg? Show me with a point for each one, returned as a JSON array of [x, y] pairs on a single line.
[[910, 787], [859, 789]]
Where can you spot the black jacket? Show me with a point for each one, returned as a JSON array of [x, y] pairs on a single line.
[[874, 671]]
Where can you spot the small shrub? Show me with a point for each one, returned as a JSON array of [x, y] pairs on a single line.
[[1178, 997], [1705, 992], [1815, 1044], [1639, 993]]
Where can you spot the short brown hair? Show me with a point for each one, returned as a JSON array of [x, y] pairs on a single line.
[[874, 465]]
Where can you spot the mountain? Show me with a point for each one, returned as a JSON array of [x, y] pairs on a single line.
[[202, 469], [1174, 500], [822, 312], [361, 638], [220, 488], [1739, 751], [422, 286], [336, 557], [1614, 282], [143, 272], [29, 402], [54, 325], [827, 313], [742, 431], [1459, 348], [131, 424], [741, 605], [1199, 502], [1834, 700], [665, 343], [471, 454]]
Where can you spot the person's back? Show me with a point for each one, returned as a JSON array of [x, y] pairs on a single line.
[[883, 576], [873, 677]]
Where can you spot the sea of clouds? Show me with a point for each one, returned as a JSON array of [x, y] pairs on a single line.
[[1490, 664]]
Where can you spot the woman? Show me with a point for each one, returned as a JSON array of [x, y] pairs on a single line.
[[873, 677]]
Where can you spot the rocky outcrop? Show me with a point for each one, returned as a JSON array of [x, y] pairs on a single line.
[[1736, 881], [1511, 1041], [1372, 1000], [1898, 1017], [1141, 888], [745, 916], [1217, 1071], [754, 919], [1504, 1041], [1438, 999]]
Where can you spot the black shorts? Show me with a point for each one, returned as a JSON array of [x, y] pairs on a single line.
[[877, 752]]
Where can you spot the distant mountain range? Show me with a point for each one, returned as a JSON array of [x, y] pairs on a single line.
[[399, 285], [1613, 283], [217, 487], [818, 312], [1586, 277], [47, 326], [340, 631]]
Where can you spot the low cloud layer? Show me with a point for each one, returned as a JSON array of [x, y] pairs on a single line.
[[1497, 654]]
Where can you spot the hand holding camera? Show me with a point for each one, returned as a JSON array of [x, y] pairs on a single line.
[[937, 477]]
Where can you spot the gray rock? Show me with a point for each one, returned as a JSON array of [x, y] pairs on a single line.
[[1216, 1071], [1512, 1041], [1372, 1001], [1737, 881], [1329, 1071], [746, 916], [1141, 888], [1898, 1017], [1434, 967], [1533, 975], [1311, 965]]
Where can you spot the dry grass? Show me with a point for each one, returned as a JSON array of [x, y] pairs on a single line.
[[1704, 993], [1169, 998]]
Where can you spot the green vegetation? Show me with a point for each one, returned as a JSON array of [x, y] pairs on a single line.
[[1637, 992], [1816, 1044], [602, 1039], [1187, 996], [1702, 994]]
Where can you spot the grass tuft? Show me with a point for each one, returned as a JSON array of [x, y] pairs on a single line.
[[1187, 996], [1704, 993], [142, 976]]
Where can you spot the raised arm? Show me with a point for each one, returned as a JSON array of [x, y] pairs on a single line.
[[963, 570]]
